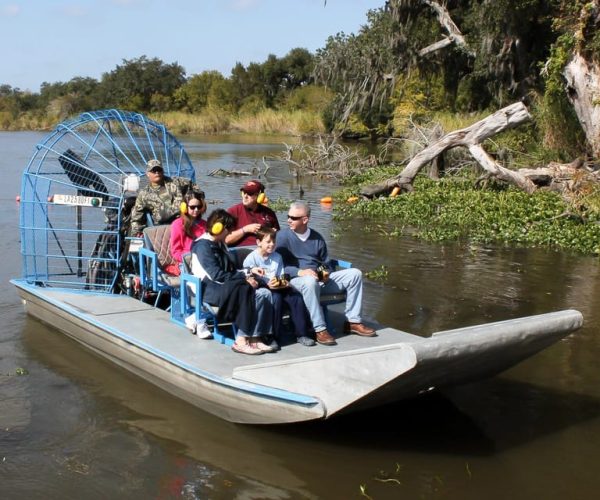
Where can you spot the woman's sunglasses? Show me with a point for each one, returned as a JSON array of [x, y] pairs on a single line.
[[194, 207]]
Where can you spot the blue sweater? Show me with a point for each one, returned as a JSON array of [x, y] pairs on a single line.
[[298, 254]]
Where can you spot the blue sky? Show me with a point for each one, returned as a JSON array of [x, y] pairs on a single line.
[[56, 40]]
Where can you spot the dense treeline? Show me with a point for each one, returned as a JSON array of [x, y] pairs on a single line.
[[150, 85]]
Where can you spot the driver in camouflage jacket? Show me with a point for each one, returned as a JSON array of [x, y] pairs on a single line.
[[161, 198]]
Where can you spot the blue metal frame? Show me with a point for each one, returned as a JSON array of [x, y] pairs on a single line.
[[190, 301], [90, 155]]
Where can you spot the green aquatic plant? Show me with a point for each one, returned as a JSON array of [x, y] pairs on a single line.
[[378, 274], [280, 204], [453, 209]]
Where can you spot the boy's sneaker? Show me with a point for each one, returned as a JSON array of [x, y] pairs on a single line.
[[306, 341], [203, 332], [190, 323]]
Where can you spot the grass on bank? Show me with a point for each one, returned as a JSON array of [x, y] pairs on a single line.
[[210, 121], [453, 209], [265, 122]]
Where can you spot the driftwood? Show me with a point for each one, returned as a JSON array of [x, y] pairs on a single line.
[[327, 158], [228, 173], [471, 138]]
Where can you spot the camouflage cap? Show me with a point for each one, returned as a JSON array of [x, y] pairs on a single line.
[[154, 163]]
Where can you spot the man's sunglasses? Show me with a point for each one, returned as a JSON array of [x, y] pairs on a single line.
[[157, 170], [296, 217]]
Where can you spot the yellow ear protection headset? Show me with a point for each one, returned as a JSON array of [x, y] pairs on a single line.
[[183, 206], [260, 199], [217, 228]]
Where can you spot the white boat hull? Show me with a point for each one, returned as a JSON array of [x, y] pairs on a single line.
[[298, 383]]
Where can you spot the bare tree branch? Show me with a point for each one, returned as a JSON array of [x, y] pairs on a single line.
[[454, 34]]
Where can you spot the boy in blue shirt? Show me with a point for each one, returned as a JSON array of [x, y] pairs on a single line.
[[271, 262]]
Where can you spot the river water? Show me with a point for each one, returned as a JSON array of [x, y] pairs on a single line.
[[75, 426]]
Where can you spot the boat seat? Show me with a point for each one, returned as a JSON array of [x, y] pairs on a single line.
[[329, 299], [326, 300], [154, 256], [191, 302], [240, 254]]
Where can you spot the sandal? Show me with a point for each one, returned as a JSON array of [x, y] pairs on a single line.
[[262, 347], [245, 349]]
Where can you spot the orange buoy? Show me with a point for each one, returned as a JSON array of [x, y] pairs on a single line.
[[395, 192], [352, 199], [327, 200], [18, 198], [50, 199]]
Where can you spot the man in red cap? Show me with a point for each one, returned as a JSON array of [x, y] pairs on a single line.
[[250, 216]]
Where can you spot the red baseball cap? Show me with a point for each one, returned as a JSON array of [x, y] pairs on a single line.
[[253, 187]]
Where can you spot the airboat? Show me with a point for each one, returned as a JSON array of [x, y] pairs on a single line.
[[82, 275]]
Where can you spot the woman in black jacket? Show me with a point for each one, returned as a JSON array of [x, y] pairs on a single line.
[[235, 291]]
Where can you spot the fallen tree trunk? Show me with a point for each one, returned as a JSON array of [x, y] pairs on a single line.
[[501, 173], [471, 138]]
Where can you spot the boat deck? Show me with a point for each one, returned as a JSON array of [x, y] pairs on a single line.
[[153, 330], [297, 383]]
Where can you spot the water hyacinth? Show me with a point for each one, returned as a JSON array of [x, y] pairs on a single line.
[[456, 210]]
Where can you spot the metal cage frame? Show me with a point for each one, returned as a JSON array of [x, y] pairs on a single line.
[[77, 191]]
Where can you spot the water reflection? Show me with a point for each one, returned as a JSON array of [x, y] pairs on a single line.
[[121, 412]]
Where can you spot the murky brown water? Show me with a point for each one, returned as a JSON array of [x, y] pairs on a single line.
[[78, 427]]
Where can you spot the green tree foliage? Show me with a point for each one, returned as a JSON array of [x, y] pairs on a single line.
[[9, 100], [140, 83], [308, 98], [245, 83], [151, 85], [267, 84], [505, 44], [60, 100], [361, 69], [209, 88]]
